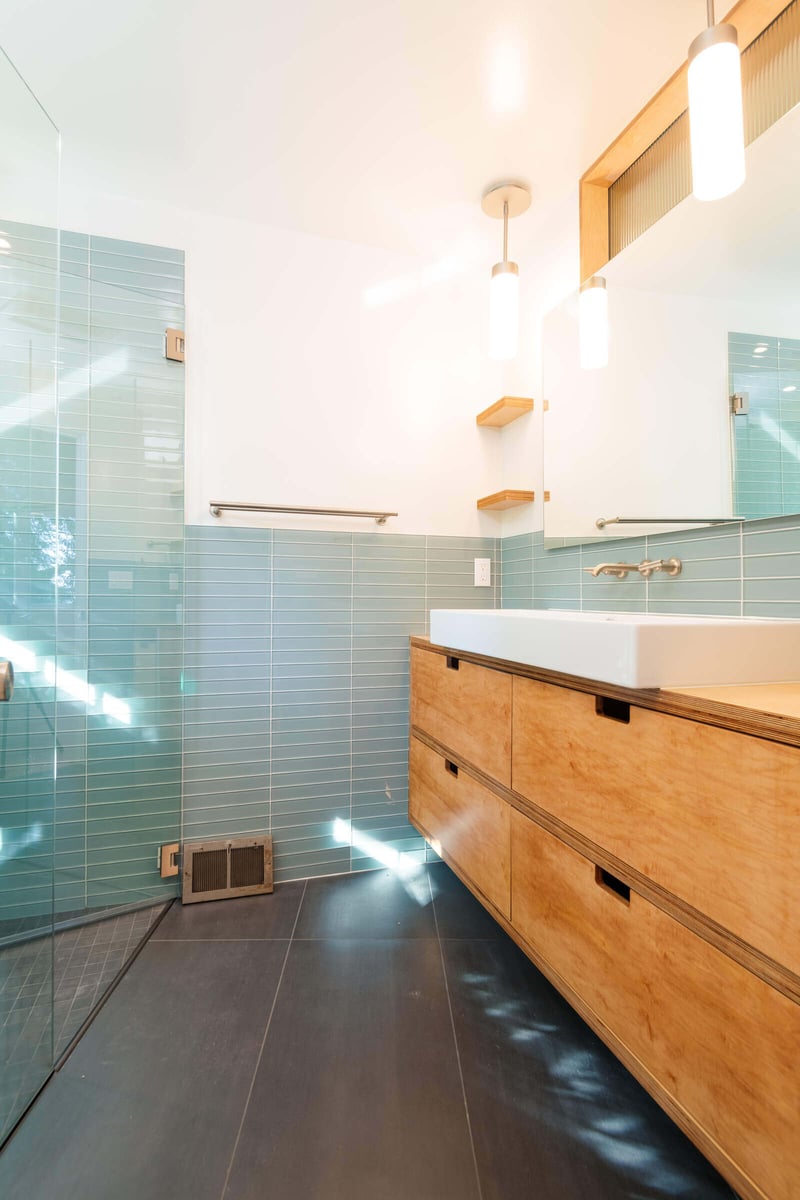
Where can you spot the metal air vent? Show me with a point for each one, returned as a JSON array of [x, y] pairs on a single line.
[[229, 867]]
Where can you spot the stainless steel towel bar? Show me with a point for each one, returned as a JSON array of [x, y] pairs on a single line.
[[216, 507], [601, 522]]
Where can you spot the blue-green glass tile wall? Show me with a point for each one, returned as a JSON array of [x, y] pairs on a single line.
[[119, 532], [296, 717], [738, 569]]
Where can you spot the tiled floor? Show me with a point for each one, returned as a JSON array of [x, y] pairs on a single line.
[[355, 1037], [67, 975]]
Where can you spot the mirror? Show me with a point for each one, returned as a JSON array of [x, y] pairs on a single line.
[[704, 306]]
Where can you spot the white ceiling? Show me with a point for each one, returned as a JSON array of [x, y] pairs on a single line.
[[374, 120]]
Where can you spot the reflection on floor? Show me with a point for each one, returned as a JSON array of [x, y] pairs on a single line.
[[67, 975], [356, 1037]]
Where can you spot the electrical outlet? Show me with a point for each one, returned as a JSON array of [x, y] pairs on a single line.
[[483, 572]]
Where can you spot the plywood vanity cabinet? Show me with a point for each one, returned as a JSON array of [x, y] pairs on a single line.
[[643, 849], [708, 814]]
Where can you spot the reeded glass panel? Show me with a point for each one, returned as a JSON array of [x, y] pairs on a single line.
[[31, 534], [661, 177]]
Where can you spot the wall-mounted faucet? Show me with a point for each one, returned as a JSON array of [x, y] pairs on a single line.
[[670, 566]]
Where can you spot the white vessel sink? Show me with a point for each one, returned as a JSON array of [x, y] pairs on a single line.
[[634, 650]]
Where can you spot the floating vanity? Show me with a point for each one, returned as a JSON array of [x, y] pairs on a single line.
[[643, 849]]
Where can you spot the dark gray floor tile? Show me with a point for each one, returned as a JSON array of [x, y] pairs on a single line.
[[150, 1101], [358, 1096], [269, 916], [553, 1113], [374, 904], [458, 913]]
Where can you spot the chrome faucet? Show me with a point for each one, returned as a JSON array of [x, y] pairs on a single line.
[[670, 566], [618, 569]]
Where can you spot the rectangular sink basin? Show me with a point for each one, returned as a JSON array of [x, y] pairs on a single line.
[[635, 650]]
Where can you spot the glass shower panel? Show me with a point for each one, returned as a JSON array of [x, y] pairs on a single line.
[[120, 624], [134, 554], [30, 578]]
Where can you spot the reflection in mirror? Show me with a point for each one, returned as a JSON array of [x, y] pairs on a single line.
[[765, 376], [656, 441]]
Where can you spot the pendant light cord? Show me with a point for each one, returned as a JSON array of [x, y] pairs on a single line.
[[505, 231], [710, 13]]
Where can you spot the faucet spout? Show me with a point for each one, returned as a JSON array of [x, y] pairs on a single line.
[[620, 570]]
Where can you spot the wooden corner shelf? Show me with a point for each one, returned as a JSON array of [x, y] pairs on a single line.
[[506, 499], [504, 411]]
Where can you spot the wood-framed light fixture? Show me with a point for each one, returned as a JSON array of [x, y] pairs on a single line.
[[751, 18]]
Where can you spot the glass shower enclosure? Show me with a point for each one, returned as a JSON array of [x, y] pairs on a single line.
[[91, 595], [29, 532]]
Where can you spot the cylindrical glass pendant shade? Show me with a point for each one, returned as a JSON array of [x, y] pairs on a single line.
[[504, 311], [593, 323], [716, 122]]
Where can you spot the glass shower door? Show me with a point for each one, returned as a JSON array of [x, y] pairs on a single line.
[[30, 575]]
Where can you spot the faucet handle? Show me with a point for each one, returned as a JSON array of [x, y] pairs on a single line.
[[670, 566]]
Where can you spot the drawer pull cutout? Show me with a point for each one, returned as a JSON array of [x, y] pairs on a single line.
[[611, 884], [451, 767], [452, 663], [615, 710]]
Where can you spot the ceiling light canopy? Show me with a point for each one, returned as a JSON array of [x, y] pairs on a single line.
[[716, 122], [503, 201]]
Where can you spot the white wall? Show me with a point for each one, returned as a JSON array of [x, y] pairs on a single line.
[[332, 374]]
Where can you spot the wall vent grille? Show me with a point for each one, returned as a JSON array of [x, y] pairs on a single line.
[[225, 868], [662, 176]]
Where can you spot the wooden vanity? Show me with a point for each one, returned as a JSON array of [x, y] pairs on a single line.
[[643, 849]]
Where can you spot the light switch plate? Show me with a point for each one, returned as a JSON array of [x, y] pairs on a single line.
[[483, 572]]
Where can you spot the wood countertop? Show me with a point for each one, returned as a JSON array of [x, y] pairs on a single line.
[[766, 710], [782, 699]]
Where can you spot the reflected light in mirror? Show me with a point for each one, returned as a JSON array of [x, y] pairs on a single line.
[[716, 123], [593, 323]]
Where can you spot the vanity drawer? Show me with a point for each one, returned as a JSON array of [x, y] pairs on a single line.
[[721, 1042], [471, 823], [711, 815], [466, 708]]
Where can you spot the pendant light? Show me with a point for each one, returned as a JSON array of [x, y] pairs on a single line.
[[593, 323], [504, 201], [716, 122]]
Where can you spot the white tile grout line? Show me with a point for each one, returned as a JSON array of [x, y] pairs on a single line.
[[270, 619], [427, 610], [647, 577], [352, 646], [455, 1043], [263, 1044], [531, 568], [741, 568]]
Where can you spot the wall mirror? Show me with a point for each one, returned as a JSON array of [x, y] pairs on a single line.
[[705, 305]]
